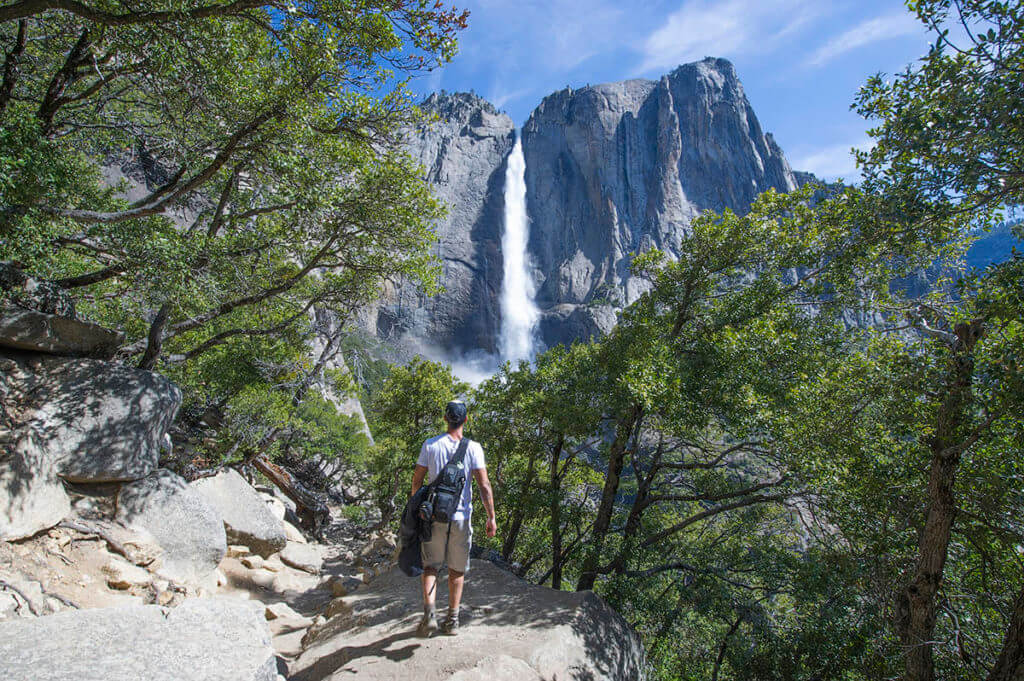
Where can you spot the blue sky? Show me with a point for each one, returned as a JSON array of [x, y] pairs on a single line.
[[800, 61]]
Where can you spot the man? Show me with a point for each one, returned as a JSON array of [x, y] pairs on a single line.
[[450, 543]]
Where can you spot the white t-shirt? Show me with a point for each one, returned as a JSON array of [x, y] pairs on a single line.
[[435, 454]]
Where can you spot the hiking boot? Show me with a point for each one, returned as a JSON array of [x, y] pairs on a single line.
[[428, 625], [450, 626]]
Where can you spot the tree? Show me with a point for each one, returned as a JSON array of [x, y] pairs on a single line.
[[265, 198], [407, 410], [950, 138]]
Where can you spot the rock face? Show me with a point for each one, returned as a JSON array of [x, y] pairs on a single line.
[[32, 496], [200, 640], [464, 153], [100, 422], [247, 519], [510, 629], [610, 170], [41, 332], [190, 531], [624, 167], [29, 294]]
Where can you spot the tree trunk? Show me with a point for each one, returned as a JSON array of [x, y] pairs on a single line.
[[156, 338], [915, 607], [616, 457], [509, 546], [555, 515], [1010, 665]]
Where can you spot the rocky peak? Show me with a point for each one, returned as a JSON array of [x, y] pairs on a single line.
[[619, 168], [611, 169]]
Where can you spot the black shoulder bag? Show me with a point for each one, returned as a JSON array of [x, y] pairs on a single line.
[[446, 490]]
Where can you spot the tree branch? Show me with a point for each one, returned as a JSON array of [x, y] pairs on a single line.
[[12, 61], [29, 8]]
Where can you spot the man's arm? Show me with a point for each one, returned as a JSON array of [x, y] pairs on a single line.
[[417, 478], [487, 497]]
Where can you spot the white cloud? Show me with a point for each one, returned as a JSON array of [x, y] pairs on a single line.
[[499, 98], [832, 162], [702, 28], [544, 35], [865, 33]]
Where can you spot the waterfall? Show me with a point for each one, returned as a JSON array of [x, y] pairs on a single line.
[[519, 312]]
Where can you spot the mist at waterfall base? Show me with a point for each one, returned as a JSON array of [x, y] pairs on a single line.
[[519, 311]]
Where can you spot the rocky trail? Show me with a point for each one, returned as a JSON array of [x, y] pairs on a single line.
[[115, 568]]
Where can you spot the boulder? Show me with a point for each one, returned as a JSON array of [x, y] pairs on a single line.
[[293, 533], [32, 496], [30, 294], [51, 334], [189, 530], [543, 634], [97, 421], [237, 550], [305, 557], [275, 505], [247, 519], [213, 639], [498, 668]]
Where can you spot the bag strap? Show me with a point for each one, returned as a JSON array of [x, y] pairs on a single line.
[[460, 453], [457, 458]]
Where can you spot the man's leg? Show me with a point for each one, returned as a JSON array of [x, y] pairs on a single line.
[[429, 588], [428, 623], [461, 541], [456, 580]]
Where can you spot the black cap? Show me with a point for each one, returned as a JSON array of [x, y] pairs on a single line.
[[455, 413]]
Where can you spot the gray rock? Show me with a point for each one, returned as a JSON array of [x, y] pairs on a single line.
[[305, 557], [611, 170], [200, 640], [98, 421], [32, 496], [543, 634], [190, 530], [41, 332], [247, 519], [30, 294], [623, 167], [464, 153]]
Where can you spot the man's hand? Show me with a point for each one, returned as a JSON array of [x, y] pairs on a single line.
[[492, 527]]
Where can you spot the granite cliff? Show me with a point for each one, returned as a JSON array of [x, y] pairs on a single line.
[[464, 151], [624, 167], [611, 170]]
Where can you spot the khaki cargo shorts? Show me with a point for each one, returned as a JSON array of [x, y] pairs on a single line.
[[459, 542]]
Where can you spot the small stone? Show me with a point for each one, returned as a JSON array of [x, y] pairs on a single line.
[[337, 607], [302, 557], [367, 576], [164, 597], [252, 562], [123, 575], [273, 563], [222, 579], [338, 587], [238, 550], [284, 611]]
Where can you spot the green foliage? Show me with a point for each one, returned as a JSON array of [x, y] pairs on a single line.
[[408, 408], [266, 195]]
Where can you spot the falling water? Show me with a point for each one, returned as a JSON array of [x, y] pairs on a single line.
[[518, 310]]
